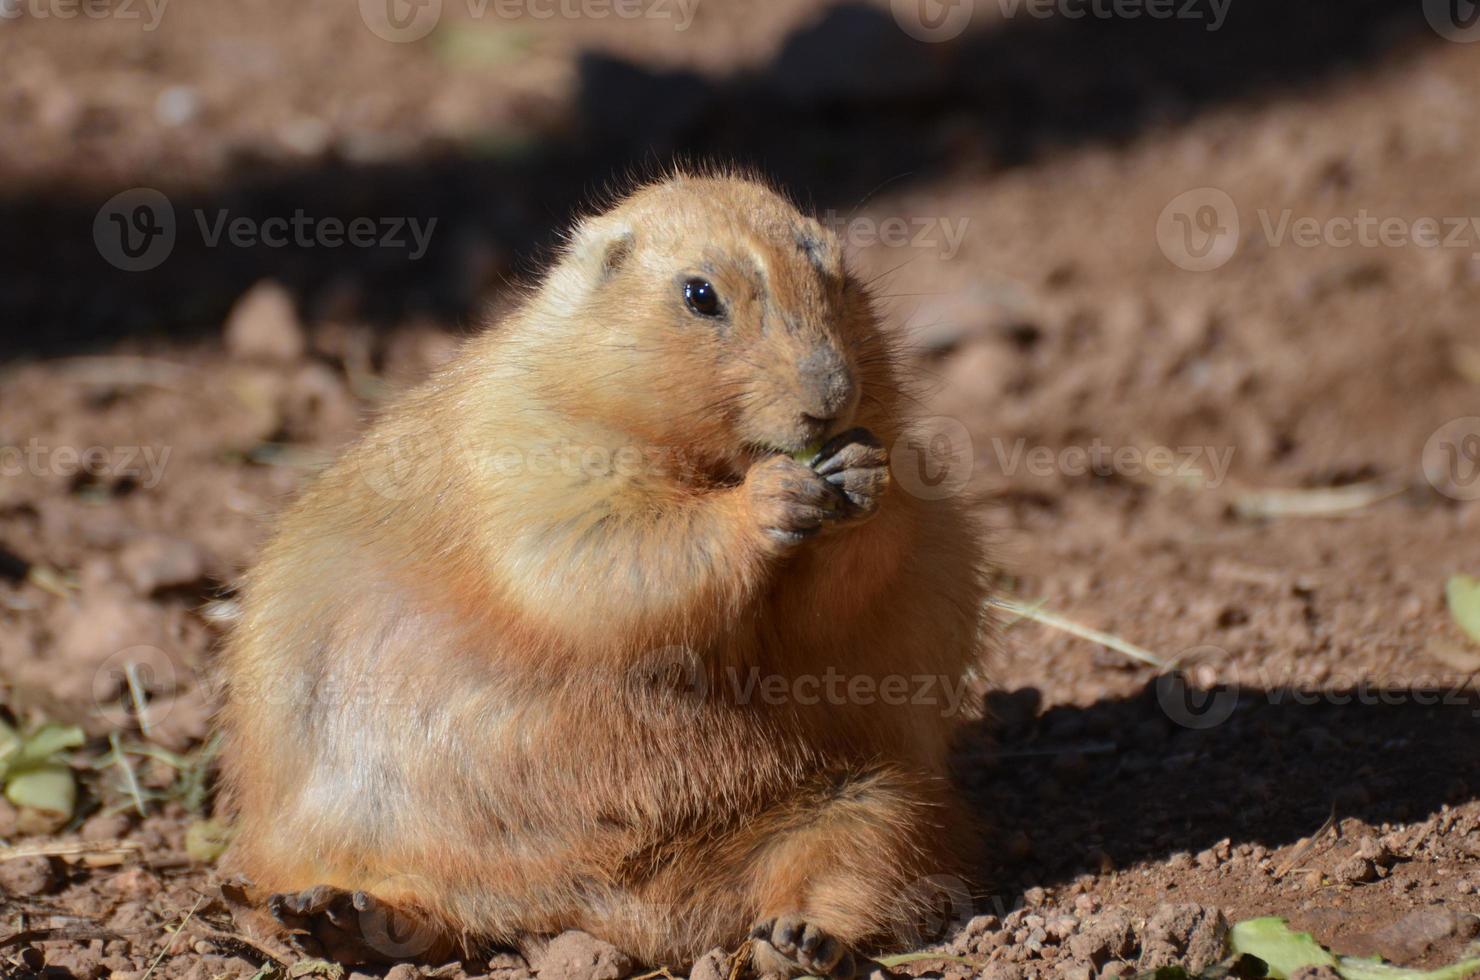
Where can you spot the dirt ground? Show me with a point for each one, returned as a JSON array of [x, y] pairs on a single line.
[[1253, 452]]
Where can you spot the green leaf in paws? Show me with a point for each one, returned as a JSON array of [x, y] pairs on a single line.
[[807, 453]]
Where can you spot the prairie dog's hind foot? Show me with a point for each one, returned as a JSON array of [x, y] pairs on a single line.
[[789, 945], [355, 928]]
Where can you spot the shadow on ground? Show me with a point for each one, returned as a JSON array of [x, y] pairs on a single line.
[[848, 104], [1181, 768]]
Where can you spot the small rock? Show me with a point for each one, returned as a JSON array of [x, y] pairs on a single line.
[[80, 962], [402, 971], [1354, 871], [264, 325], [1061, 927], [1372, 849], [579, 956], [32, 822], [26, 877], [1103, 937], [176, 105], [1186, 934], [971, 938], [1419, 931], [158, 561], [134, 884], [105, 826], [1035, 897], [713, 965], [1315, 973]]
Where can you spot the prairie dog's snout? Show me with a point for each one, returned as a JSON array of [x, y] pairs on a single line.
[[828, 391]]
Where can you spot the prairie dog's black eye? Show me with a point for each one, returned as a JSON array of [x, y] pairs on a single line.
[[702, 297]]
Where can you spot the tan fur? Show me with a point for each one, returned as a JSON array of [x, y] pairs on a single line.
[[500, 692]]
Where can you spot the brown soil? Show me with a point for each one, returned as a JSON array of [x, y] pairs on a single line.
[[1321, 759]]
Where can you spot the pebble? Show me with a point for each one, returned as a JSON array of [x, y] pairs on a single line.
[[264, 325], [159, 561], [26, 877], [134, 884], [1420, 930], [578, 956], [105, 826], [1354, 871], [713, 965]]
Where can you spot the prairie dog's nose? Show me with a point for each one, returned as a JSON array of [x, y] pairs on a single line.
[[827, 384]]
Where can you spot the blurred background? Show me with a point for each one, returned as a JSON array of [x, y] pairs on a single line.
[[1195, 280]]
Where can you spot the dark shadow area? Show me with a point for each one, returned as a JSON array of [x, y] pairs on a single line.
[[1177, 768], [849, 103]]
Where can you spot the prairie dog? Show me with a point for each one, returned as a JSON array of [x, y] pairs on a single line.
[[557, 644]]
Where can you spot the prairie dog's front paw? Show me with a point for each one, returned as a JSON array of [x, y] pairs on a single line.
[[790, 945], [790, 501], [857, 463]]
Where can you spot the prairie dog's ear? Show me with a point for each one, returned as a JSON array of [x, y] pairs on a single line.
[[820, 246], [597, 251], [600, 246]]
